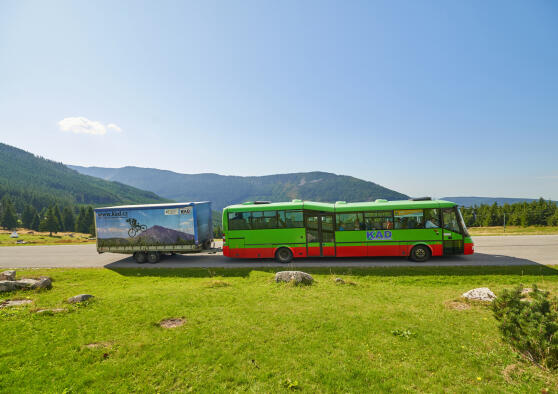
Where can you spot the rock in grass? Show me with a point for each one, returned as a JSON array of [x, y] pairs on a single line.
[[25, 283], [297, 277], [7, 285], [480, 294], [8, 275], [44, 282], [9, 303], [79, 298], [339, 281]]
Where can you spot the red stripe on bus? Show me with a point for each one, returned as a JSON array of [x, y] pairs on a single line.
[[340, 251], [469, 248]]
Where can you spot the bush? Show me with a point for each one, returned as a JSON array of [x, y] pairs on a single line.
[[530, 325]]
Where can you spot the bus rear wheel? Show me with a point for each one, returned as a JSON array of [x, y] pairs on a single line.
[[152, 257], [140, 257], [283, 255], [420, 253]]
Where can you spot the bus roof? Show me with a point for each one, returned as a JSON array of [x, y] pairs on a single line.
[[342, 206]]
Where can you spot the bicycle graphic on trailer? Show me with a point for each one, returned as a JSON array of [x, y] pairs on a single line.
[[135, 227]]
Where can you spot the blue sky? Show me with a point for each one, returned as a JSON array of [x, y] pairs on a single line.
[[427, 98]]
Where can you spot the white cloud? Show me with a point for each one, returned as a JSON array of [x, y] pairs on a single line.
[[81, 125], [112, 126]]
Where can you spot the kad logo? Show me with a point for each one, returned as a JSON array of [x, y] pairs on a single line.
[[378, 235]]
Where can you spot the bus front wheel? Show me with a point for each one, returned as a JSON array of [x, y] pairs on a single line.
[[283, 255], [420, 253]]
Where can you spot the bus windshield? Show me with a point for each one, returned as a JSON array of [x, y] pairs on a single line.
[[462, 222]]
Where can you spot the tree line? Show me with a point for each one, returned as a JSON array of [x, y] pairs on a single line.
[[540, 212], [50, 219]]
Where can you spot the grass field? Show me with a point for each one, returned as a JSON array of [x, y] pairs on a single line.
[[398, 329], [43, 238], [514, 230]]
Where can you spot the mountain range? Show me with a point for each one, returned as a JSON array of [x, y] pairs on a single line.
[[40, 182], [164, 236], [225, 190]]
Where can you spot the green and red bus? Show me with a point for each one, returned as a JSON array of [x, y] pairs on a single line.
[[416, 228]]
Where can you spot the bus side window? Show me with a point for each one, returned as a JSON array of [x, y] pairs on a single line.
[[409, 219], [294, 219], [379, 220], [432, 218], [239, 221], [281, 219], [350, 221], [270, 219], [257, 220]]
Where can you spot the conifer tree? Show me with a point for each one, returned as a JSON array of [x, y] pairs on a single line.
[[68, 219], [50, 222], [81, 225], [27, 216], [36, 222], [58, 215], [9, 217]]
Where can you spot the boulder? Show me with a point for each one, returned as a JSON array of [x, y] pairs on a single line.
[[44, 282], [480, 294], [79, 298], [297, 277], [7, 285], [25, 283], [8, 275], [339, 281]]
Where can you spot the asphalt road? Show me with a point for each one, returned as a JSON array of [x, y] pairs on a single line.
[[498, 251]]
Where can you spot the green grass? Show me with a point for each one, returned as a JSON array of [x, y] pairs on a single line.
[[514, 230], [45, 239], [392, 330]]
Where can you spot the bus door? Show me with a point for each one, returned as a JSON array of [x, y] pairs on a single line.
[[320, 235], [452, 235]]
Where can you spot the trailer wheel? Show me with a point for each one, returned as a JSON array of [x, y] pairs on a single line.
[[140, 257], [206, 244], [420, 253], [152, 257], [283, 255]]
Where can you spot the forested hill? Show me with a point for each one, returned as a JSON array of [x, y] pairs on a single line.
[[225, 190], [472, 201], [29, 179]]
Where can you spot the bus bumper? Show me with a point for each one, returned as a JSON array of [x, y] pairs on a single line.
[[469, 248]]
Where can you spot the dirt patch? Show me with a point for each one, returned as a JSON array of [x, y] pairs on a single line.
[[218, 283], [172, 323], [10, 303], [508, 372], [458, 305], [96, 345], [50, 311]]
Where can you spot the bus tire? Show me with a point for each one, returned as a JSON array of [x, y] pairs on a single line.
[[420, 253], [283, 255], [152, 257], [140, 257]]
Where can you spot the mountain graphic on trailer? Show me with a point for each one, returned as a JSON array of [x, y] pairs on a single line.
[[163, 235]]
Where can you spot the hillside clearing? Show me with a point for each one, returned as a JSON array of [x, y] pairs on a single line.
[[399, 329], [29, 237]]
